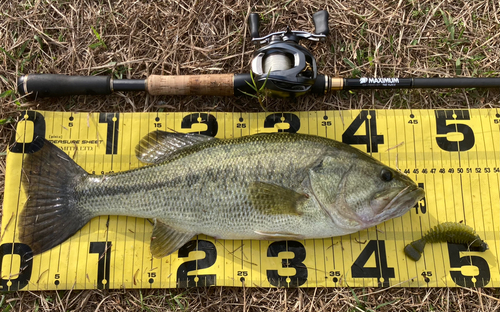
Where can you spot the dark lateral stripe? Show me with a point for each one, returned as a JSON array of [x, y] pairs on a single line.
[[186, 181]]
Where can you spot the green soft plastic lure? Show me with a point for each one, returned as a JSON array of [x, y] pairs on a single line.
[[452, 232]]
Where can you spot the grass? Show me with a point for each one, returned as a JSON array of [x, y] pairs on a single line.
[[254, 299], [134, 39], [361, 305], [259, 92], [100, 42]]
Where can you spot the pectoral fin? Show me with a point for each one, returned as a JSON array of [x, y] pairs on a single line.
[[274, 199], [166, 240], [157, 146]]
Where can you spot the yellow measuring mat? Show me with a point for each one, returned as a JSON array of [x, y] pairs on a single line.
[[453, 154]]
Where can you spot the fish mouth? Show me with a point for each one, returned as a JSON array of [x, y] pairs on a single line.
[[401, 203]]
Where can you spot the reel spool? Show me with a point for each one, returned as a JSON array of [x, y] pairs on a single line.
[[287, 68], [277, 61]]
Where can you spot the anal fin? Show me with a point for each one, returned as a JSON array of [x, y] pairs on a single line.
[[166, 240]]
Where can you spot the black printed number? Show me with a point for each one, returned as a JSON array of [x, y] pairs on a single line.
[[422, 204], [202, 118], [292, 120], [457, 264], [183, 279], [381, 271], [371, 139], [103, 249], [299, 252], [38, 135], [112, 131], [17, 281], [443, 128]]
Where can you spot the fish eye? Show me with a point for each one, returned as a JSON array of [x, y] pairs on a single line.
[[386, 175]]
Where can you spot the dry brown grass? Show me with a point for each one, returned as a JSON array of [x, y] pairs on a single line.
[[257, 299], [138, 38]]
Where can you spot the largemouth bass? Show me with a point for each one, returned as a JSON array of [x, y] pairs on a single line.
[[266, 186]]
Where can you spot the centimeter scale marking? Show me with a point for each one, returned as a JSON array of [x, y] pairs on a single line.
[[453, 154]]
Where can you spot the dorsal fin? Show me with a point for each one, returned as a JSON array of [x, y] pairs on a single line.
[[158, 145]]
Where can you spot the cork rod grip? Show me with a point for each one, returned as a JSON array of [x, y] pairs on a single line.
[[221, 84]]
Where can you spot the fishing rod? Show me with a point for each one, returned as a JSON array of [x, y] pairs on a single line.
[[282, 66]]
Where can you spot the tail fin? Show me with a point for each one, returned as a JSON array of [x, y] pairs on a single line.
[[50, 215]]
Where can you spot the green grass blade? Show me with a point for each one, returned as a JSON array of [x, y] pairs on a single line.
[[6, 93], [348, 62], [21, 50], [8, 54], [252, 86], [96, 34], [386, 303]]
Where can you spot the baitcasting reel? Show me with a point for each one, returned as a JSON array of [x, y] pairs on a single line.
[[287, 68]]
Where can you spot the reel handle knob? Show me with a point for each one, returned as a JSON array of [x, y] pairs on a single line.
[[320, 20], [253, 23]]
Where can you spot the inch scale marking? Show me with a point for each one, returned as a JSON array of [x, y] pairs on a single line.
[[453, 154]]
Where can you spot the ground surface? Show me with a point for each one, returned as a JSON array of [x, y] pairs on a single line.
[[133, 39]]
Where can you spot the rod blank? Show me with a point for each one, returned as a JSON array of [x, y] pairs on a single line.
[[411, 83], [456, 83]]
